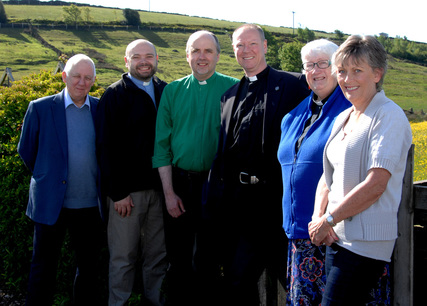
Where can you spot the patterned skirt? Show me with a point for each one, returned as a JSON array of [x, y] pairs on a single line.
[[306, 276], [305, 273]]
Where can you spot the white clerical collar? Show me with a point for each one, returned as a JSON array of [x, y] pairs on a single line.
[[253, 78], [139, 82], [68, 100], [205, 82]]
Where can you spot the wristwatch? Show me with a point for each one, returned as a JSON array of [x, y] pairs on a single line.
[[330, 219]]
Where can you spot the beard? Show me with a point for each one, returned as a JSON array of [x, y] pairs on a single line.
[[144, 76]]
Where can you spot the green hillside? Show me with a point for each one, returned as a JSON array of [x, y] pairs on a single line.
[[106, 39]]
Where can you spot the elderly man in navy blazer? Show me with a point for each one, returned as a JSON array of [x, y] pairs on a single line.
[[58, 145]]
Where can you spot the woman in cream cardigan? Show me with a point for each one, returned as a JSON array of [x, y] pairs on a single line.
[[364, 161]]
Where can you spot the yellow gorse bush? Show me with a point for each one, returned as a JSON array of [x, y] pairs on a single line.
[[419, 138]]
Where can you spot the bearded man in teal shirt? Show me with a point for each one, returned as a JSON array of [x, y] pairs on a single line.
[[187, 132]]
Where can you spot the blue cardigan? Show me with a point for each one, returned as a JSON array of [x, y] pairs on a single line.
[[302, 171]]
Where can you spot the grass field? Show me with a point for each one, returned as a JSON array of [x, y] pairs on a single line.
[[106, 15], [405, 83]]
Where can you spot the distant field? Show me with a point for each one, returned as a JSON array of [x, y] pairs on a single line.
[[105, 15], [405, 83], [25, 55]]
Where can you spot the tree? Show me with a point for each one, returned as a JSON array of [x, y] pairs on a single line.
[[386, 42], [339, 34], [3, 17], [132, 17], [273, 50], [71, 14], [306, 34], [290, 56], [86, 14]]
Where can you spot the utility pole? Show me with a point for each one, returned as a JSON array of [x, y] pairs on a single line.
[[293, 19]]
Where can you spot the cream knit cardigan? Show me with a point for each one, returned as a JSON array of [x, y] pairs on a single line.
[[382, 140]]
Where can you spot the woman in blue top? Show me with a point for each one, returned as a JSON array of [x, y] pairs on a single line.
[[305, 131]]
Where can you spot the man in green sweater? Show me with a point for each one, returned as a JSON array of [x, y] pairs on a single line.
[[187, 131]]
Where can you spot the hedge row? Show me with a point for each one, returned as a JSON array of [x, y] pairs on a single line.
[[15, 228]]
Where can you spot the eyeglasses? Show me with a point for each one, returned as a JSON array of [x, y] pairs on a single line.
[[321, 64]]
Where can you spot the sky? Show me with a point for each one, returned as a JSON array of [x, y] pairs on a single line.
[[365, 17]]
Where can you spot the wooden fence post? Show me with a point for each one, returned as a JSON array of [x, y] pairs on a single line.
[[403, 256], [7, 77]]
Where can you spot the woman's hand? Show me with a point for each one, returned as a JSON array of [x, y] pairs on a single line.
[[321, 232]]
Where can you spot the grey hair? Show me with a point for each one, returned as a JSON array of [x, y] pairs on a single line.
[[318, 47], [74, 60]]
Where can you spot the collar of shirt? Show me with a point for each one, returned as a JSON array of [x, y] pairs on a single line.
[[205, 82], [68, 101], [260, 76], [141, 84]]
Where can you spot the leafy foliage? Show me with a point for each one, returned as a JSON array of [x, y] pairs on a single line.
[[404, 49], [339, 34], [306, 34], [273, 49], [72, 14], [16, 242], [132, 17], [3, 17], [290, 56], [87, 18]]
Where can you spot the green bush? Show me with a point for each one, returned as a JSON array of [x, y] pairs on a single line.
[[132, 17], [3, 16], [290, 56], [16, 228]]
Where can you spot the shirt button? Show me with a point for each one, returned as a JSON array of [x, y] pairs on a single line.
[[64, 182]]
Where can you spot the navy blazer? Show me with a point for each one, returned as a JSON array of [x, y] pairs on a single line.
[[43, 147]]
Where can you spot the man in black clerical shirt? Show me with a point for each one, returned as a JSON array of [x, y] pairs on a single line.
[[245, 185]]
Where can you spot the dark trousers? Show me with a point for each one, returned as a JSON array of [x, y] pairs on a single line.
[[349, 277], [186, 241], [86, 230], [253, 241]]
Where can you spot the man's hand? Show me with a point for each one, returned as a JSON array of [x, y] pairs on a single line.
[[124, 206], [174, 205], [173, 202]]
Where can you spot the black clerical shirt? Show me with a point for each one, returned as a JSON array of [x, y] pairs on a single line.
[[247, 124], [316, 108]]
